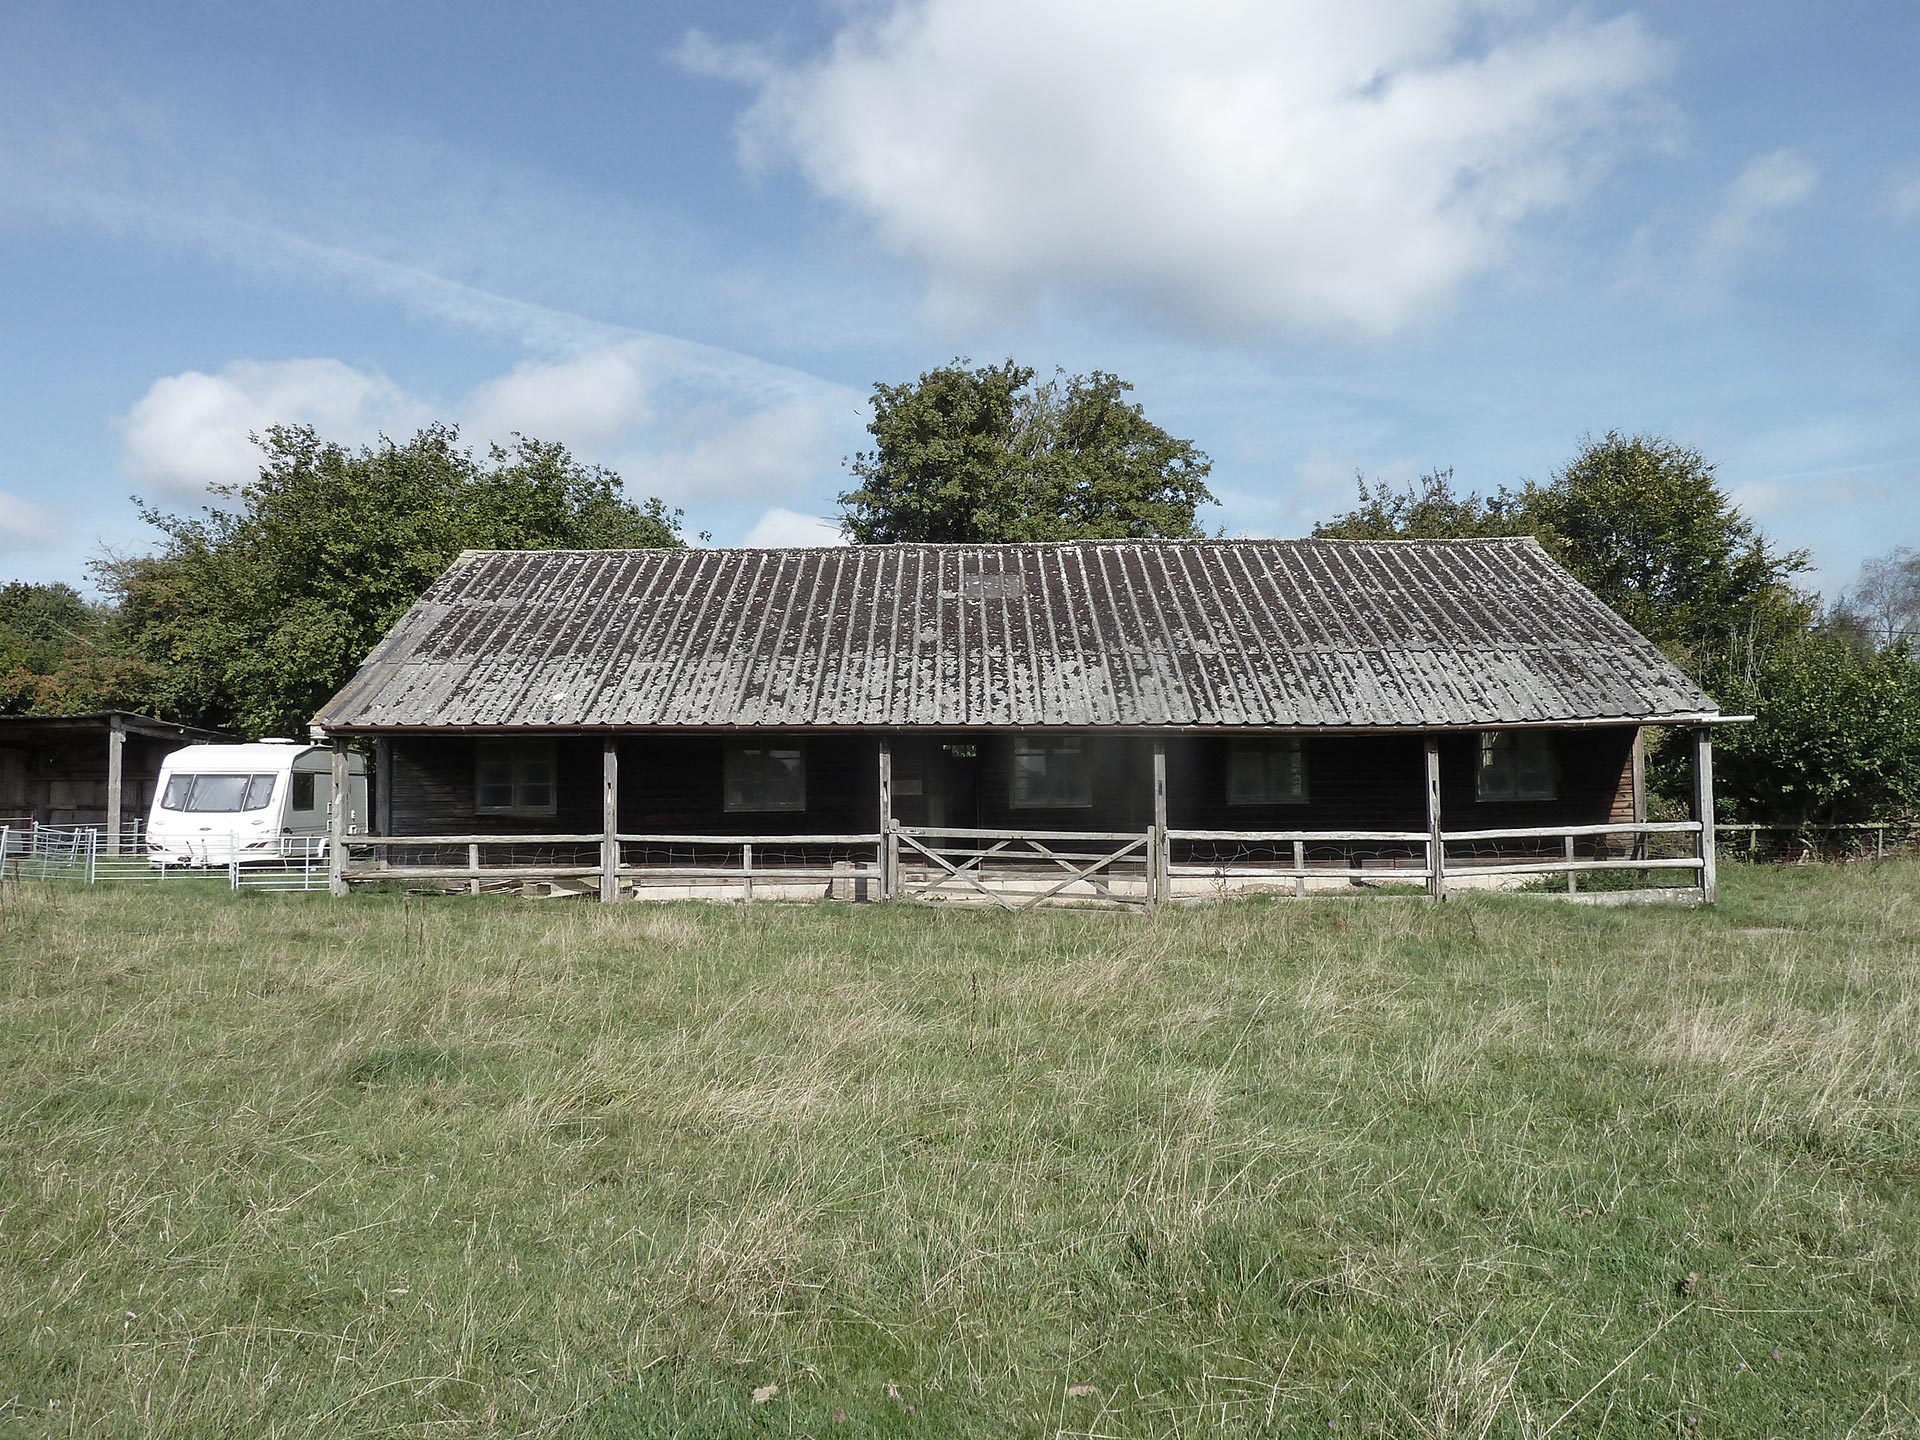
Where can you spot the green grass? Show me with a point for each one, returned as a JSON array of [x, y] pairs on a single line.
[[280, 1165]]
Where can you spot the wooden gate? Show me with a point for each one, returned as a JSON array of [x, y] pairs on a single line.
[[1022, 869]]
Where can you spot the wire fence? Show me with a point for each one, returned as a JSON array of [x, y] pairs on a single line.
[[89, 855], [1817, 844]]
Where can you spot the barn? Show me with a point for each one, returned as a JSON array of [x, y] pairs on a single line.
[[1115, 721]]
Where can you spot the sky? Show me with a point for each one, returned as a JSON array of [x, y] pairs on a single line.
[[1321, 239]]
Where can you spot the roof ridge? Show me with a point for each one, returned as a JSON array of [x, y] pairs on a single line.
[[1153, 540]]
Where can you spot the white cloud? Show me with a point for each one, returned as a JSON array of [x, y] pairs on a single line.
[[190, 430], [696, 433], [588, 401], [1768, 185], [787, 450], [1903, 195], [780, 526], [1338, 165], [26, 527]]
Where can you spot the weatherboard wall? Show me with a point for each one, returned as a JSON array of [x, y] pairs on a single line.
[[673, 784]]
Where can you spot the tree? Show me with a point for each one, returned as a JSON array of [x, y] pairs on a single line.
[[58, 652], [256, 610], [1643, 523], [1884, 608], [984, 455], [1640, 521], [1428, 509], [1836, 736]]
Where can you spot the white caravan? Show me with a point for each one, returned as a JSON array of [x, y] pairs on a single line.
[[269, 800]]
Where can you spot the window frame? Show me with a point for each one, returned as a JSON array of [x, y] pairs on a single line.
[[519, 756], [732, 763], [1512, 744], [1267, 746], [308, 780], [1049, 746]]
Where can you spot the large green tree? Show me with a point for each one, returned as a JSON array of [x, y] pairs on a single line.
[[1641, 521], [58, 652], [966, 454], [256, 609], [1836, 733]]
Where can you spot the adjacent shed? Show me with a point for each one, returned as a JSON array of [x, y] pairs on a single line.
[[94, 769], [1183, 713]]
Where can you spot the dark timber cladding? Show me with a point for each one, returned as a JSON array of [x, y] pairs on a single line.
[[1207, 635]]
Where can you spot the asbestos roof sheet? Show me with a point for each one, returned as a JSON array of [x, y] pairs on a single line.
[[1289, 633]]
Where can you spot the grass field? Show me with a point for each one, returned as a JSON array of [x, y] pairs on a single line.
[[280, 1165]]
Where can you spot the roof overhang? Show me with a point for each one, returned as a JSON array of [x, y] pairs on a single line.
[[1597, 722]]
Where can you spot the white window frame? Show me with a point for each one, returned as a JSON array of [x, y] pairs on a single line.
[[1504, 759], [1047, 747], [1267, 752], [733, 797], [520, 757]]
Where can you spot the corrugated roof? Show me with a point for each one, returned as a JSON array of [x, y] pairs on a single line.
[[1307, 633]]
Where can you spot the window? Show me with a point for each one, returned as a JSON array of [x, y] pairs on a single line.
[[217, 794], [306, 790], [513, 777], [759, 777], [1050, 772], [1516, 765], [1267, 772]]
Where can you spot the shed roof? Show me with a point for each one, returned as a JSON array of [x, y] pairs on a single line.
[[1204, 633]]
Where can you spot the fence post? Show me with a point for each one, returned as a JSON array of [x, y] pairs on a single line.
[[746, 867], [1573, 881], [473, 869], [1160, 849], [1436, 839], [1300, 869], [337, 820], [93, 855], [1703, 811], [609, 820], [889, 855]]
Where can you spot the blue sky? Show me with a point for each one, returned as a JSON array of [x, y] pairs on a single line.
[[1318, 238]]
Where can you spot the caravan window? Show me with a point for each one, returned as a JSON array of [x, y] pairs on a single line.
[[306, 790], [217, 794]]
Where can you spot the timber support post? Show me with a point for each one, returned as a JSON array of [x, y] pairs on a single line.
[[116, 771], [339, 801], [1703, 812], [609, 820], [1160, 856], [383, 786], [1639, 781], [889, 856], [1436, 840]]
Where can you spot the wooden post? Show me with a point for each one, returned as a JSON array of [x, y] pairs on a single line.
[[1573, 880], [116, 759], [1639, 763], [1160, 850], [1703, 811], [1300, 869], [889, 857], [746, 868], [1436, 841], [339, 802], [609, 820], [473, 869], [383, 786]]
